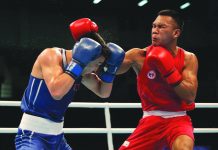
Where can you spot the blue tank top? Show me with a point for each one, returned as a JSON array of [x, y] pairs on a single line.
[[38, 101]]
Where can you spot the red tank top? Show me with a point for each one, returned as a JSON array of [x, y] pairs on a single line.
[[155, 93]]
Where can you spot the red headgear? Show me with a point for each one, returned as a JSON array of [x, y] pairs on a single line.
[[81, 27]]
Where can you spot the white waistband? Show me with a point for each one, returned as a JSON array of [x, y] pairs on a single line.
[[164, 114], [40, 125]]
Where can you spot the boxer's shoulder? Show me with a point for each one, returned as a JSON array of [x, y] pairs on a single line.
[[49, 56], [136, 53], [50, 53], [187, 53], [189, 57], [136, 56]]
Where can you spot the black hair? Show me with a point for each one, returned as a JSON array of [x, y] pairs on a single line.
[[175, 15], [98, 38]]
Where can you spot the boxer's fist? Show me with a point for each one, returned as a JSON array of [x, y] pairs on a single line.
[[81, 27], [112, 63], [162, 60], [84, 51]]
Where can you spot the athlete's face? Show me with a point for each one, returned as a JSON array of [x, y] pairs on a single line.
[[164, 31], [93, 65]]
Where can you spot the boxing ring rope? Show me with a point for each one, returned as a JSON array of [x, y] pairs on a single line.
[[108, 130]]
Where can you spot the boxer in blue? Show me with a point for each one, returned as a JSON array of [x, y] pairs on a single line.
[[55, 77]]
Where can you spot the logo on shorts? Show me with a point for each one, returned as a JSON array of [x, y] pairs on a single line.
[[151, 74], [126, 144]]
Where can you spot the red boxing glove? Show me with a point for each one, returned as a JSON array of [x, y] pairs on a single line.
[[161, 58], [81, 27]]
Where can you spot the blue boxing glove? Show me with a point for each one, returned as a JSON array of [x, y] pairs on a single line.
[[107, 72], [84, 51]]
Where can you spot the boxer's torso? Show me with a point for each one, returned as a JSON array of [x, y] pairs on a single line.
[[37, 99], [154, 92]]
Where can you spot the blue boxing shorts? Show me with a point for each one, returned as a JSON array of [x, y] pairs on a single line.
[[29, 140], [36, 133]]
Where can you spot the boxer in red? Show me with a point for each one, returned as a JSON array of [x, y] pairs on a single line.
[[167, 86]]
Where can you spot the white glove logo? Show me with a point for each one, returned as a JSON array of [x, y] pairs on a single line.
[[105, 69]]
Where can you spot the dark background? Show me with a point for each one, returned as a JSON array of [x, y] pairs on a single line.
[[27, 27]]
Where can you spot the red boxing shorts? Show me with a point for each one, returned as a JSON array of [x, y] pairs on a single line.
[[157, 133]]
